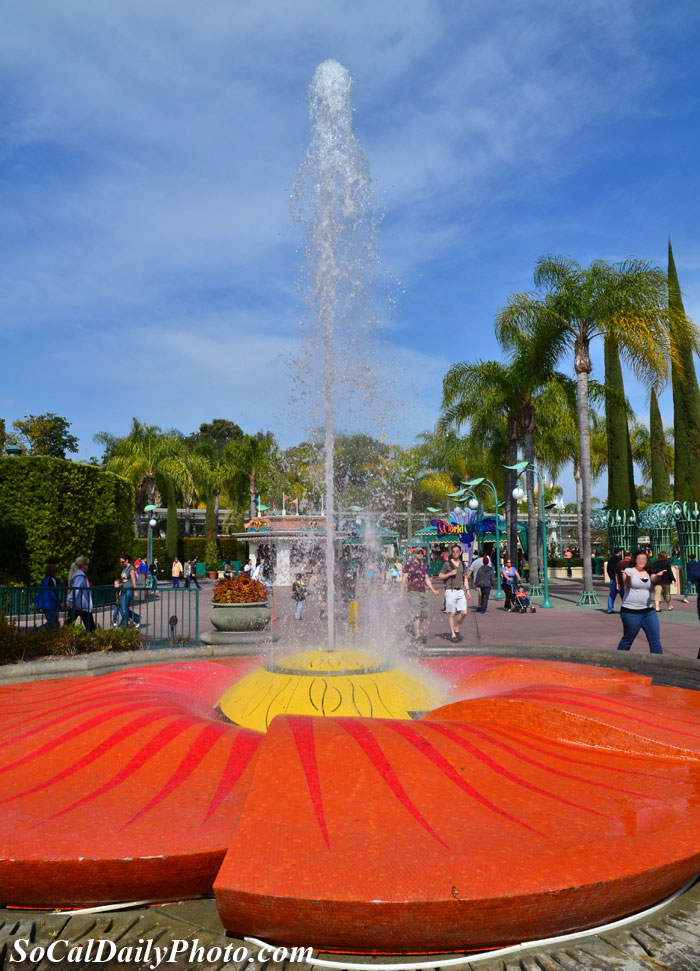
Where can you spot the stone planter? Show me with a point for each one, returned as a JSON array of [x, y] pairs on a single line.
[[240, 617]]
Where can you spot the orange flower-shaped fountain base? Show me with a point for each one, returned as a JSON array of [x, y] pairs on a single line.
[[541, 798]]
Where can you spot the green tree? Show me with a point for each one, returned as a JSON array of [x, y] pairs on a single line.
[[575, 305], [621, 491], [153, 462], [514, 389], [483, 395], [658, 454], [252, 463], [46, 434], [3, 436], [686, 393]]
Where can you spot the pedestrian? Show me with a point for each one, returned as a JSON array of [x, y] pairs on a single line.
[[228, 570], [474, 567], [116, 613], [485, 580], [129, 582], [637, 611], [248, 568], [143, 572], [299, 595], [689, 584], [257, 570], [414, 582], [694, 577], [509, 575], [612, 568], [82, 595], [662, 585], [153, 570], [454, 576], [176, 573], [47, 599], [193, 573]]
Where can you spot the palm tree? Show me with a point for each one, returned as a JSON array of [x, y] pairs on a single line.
[[483, 395], [516, 386], [575, 305], [249, 460], [153, 461]]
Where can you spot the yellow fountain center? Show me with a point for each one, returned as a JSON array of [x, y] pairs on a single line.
[[340, 683]]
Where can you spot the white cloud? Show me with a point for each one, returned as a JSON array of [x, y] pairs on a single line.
[[148, 152]]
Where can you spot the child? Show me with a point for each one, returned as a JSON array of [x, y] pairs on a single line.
[[523, 598], [299, 595]]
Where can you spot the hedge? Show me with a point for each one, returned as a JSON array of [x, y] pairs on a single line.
[[187, 547], [53, 509]]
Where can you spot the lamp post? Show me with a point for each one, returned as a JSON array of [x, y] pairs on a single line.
[[473, 484], [519, 468], [151, 523]]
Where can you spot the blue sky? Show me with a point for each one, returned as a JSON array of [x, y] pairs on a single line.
[[148, 153]]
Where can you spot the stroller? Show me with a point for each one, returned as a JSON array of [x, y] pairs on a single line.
[[521, 602]]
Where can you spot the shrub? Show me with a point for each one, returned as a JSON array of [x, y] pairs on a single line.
[[211, 556], [63, 641], [241, 590], [51, 508]]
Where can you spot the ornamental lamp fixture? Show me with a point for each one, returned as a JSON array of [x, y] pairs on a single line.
[[518, 493], [473, 503]]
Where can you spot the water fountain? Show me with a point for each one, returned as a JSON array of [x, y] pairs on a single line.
[[471, 802], [333, 196]]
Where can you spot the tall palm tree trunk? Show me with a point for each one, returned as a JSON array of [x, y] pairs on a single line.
[[511, 503], [577, 480], [188, 519], [531, 507], [582, 365], [253, 492], [409, 512]]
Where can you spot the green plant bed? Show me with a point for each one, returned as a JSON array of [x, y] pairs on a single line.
[[62, 642], [560, 562]]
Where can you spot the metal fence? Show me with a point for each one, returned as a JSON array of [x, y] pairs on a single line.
[[165, 615]]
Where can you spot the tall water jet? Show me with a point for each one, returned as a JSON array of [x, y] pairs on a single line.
[[333, 196]]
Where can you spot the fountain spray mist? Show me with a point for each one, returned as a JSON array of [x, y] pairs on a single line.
[[333, 197]]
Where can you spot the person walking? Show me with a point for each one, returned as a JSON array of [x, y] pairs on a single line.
[[689, 584], [47, 599], [414, 581], [454, 576], [299, 595], [510, 576], [153, 570], [193, 573], [176, 573], [485, 580], [612, 568], [129, 582], [82, 595], [637, 611], [662, 585], [143, 572], [474, 568]]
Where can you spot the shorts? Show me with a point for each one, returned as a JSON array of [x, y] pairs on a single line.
[[455, 601], [419, 603]]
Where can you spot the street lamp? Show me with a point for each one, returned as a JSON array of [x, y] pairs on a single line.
[[473, 484], [152, 522], [518, 494]]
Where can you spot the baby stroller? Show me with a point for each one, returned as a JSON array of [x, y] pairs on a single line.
[[521, 602]]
